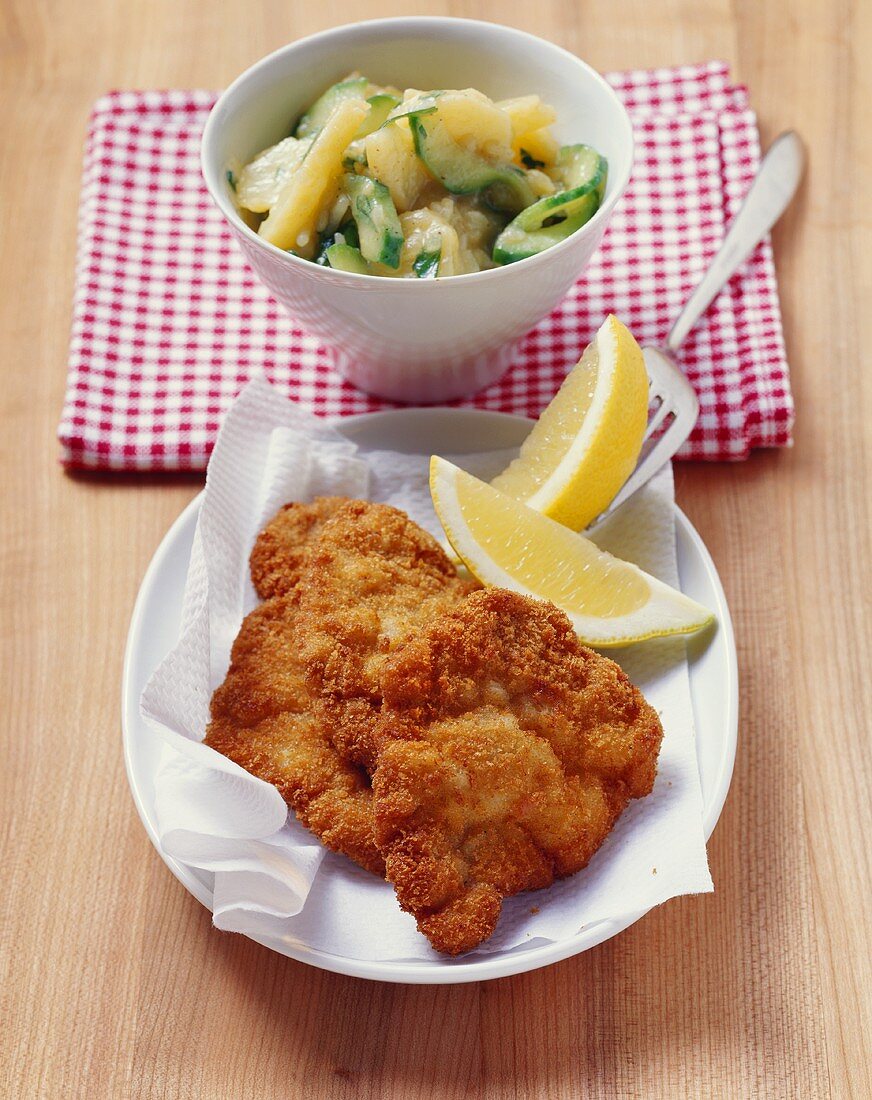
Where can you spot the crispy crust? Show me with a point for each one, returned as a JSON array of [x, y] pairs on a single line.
[[371, 579], [507, 752], [278, 554], [265, 719]]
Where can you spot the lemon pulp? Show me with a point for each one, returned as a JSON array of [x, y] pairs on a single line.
[[587, 441], [541, 455], [554, 563], [506, 543]]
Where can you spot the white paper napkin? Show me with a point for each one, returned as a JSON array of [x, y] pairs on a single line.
[[272, 877]]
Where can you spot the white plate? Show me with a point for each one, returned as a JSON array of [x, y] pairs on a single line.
[[712, 666]]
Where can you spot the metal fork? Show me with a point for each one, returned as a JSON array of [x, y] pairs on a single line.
[[673, 399]]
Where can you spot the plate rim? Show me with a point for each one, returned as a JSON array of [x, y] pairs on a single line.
[[449, 972]]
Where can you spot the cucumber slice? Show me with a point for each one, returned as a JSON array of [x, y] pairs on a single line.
[[313, 120], [345, 257], [515, 244], [577, 165], [344, 234], [565, 204], [426, 265], [462, 172], [380, 106], [374, 213], [555, 217]]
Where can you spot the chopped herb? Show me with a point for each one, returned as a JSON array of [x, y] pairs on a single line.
[[426, 265], [231, 179], [424, 107], [530, 161], [349, 231], [321, 255]]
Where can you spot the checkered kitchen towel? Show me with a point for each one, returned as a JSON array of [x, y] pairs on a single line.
[[169, 322]]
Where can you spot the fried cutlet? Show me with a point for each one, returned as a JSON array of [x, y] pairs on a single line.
[[278, 554], [372, 579], [266, 720], [507, 752]]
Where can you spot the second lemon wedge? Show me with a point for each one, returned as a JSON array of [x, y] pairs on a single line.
[[503, 542], [586, 442]]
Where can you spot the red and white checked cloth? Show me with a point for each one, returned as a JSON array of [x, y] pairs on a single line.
[[169, 322]]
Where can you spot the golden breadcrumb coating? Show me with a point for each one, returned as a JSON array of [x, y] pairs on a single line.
[[507, 751], [265, 719], [371, 579], [278, 554]]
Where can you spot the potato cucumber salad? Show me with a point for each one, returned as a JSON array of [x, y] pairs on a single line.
[[419, 184]]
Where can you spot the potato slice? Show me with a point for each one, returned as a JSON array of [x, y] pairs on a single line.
[[390, 155], [291, 223], [540, 145], [425, 230], [527, 112], [476, 227], [476, 123], [453, 226], [262, 181], [542, 185]]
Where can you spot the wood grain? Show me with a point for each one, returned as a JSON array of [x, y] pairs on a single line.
[[113, 982]]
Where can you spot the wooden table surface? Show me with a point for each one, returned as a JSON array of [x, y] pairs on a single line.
[[114, 984]]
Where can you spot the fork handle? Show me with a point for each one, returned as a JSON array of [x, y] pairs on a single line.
[[771, 190]]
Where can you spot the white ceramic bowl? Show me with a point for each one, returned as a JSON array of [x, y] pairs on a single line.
[[414, 340]]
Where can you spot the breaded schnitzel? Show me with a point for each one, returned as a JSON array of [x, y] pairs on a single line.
[[507, 751], [278, 554], [266, 720], [502, 751], [372, 579]]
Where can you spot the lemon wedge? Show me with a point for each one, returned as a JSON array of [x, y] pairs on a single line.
[[505, 543], [587, 441]]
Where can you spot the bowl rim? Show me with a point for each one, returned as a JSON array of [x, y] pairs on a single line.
[[213, 176]]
